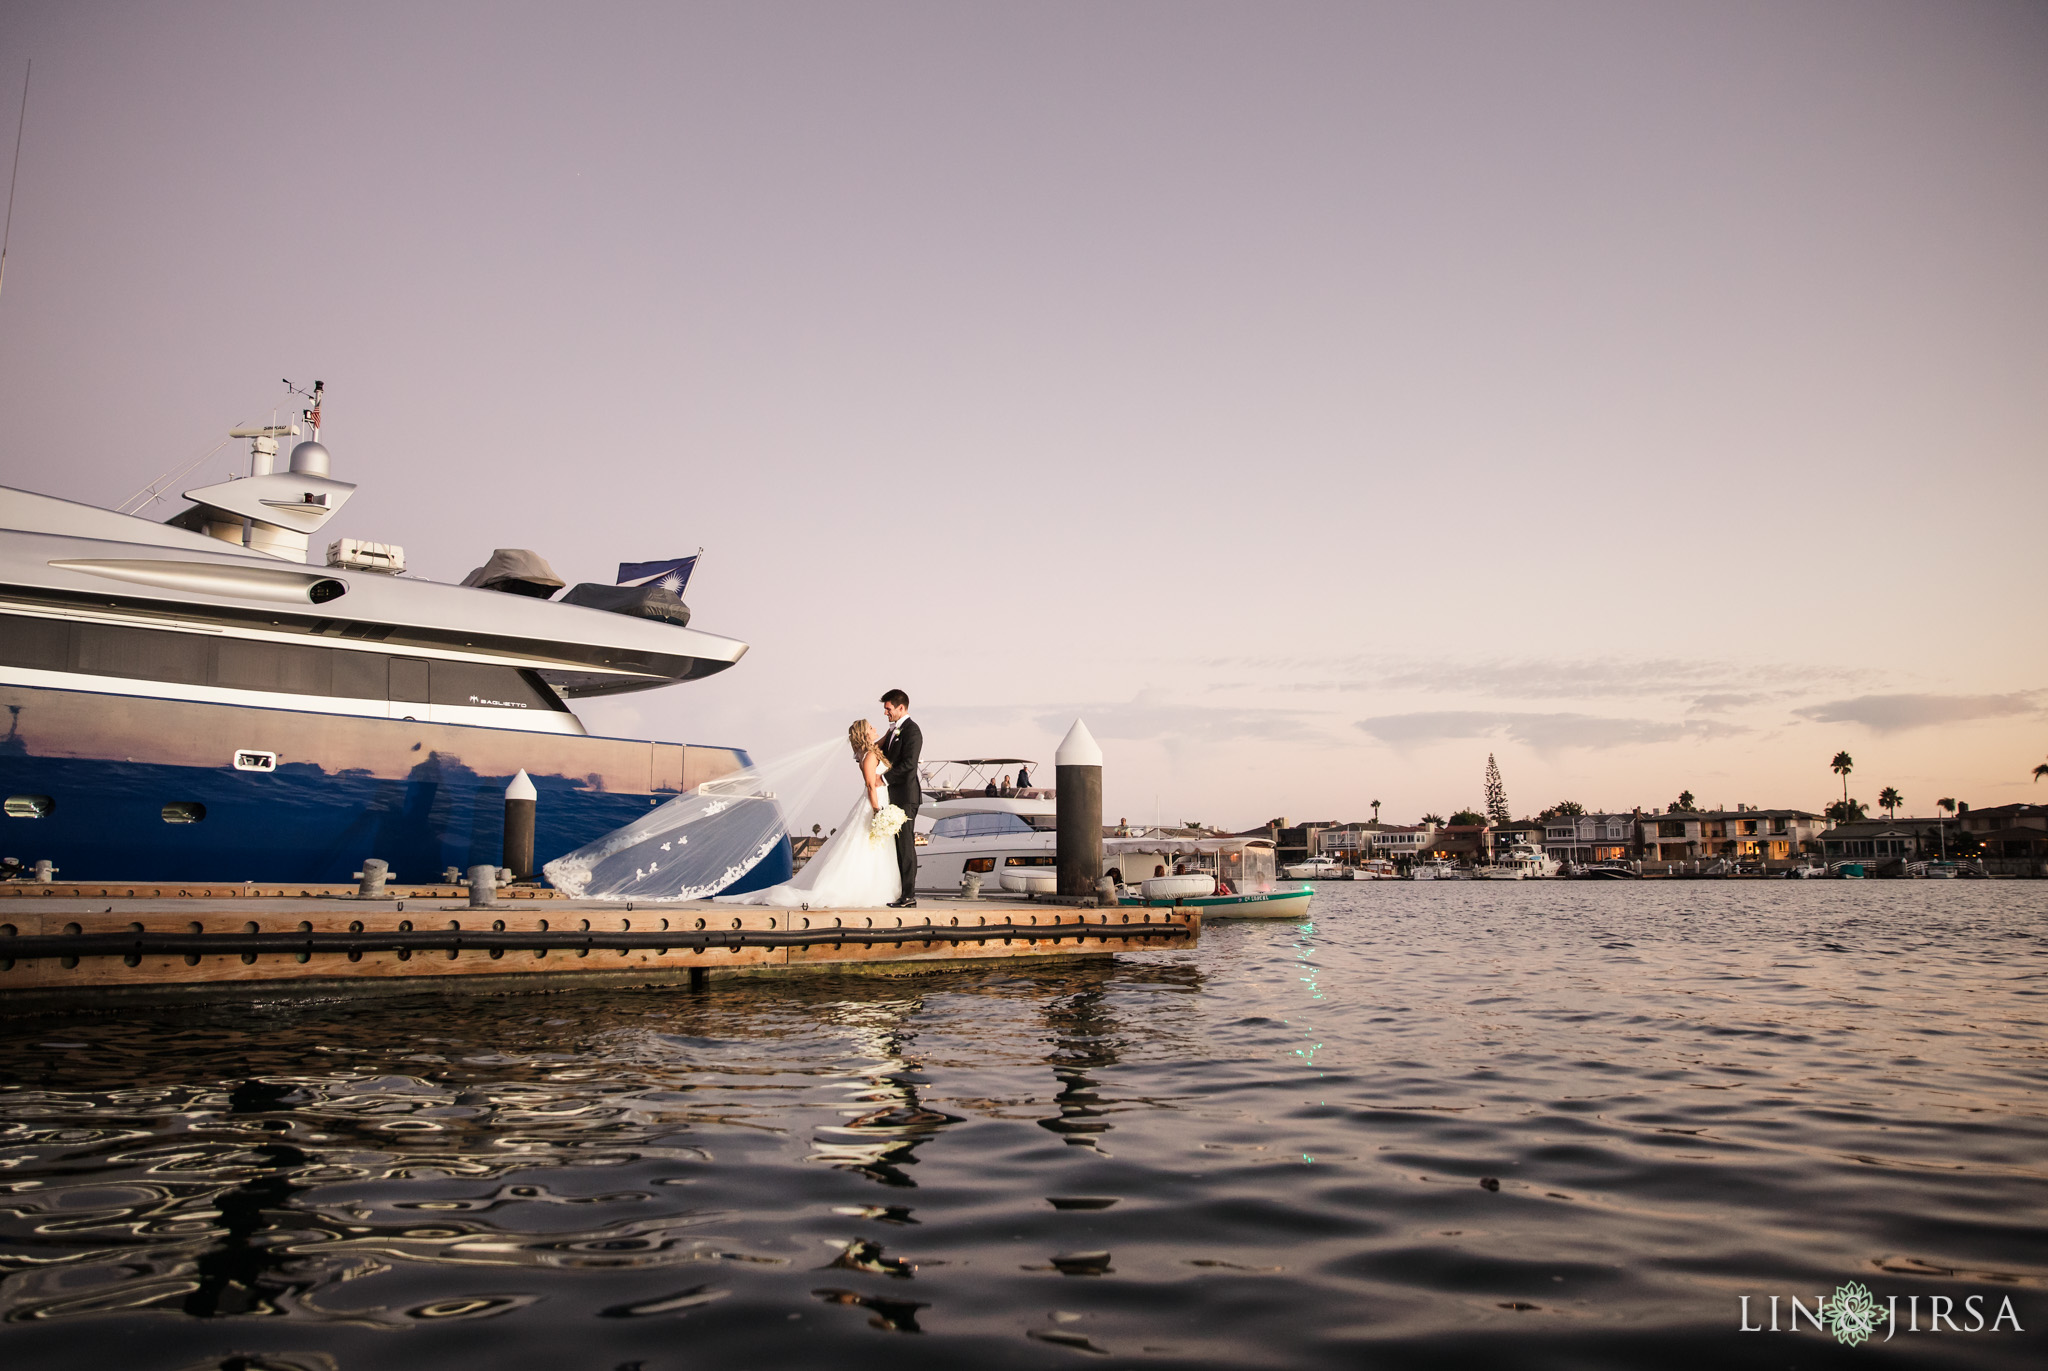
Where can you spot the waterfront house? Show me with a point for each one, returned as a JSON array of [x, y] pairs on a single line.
[[2003, 816], [2014, 838], [2016, 851], [1293, 842], [1504, 837], [1348, 843], [1740, 834], [1401, 842], [1881, 840], [1586, 838], [1464, 844]]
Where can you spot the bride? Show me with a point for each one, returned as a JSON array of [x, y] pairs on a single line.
[[856, 868]]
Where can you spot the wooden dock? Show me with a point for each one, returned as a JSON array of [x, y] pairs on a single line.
[[68, 946]]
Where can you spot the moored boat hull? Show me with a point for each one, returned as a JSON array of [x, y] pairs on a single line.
[[1274, 904], [338, 789]]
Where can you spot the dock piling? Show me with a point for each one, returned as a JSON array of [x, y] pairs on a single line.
[[520, 797], [1078, 770], [483, 886]]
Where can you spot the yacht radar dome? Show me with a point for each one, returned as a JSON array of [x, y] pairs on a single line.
[[310, 459]]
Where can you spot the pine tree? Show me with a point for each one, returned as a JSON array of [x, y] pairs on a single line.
[[1496, 794]]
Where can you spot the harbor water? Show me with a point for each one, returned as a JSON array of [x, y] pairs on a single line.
[[1559, 1124]]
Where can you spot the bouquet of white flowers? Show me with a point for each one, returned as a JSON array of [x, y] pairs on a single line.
[[882, 828]]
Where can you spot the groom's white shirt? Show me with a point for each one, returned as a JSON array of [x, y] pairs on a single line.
[[893, 727]]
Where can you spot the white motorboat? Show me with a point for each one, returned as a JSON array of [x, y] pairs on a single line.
[[1318, 868], [1000, 838], [1522, 862], [1375, 869], [975, 833], [1437, 869]]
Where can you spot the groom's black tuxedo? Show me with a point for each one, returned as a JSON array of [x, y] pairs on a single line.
[[902, 749]]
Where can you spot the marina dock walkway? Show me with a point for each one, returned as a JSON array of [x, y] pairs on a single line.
[[74, 945]]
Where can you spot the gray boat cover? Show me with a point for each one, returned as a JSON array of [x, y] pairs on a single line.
[[516, 571], [642, 602]]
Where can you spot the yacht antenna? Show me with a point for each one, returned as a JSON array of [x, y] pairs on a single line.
[[13, 176], [311, 415]]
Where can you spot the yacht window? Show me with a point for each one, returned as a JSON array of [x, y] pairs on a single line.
[[153, 654], [241, 664], [361, 675], [184, 812], [979, 825], [30, 806], [141, 653], [983, 864], [43, 644], [409, 680], [491, 687], [1040, 859]]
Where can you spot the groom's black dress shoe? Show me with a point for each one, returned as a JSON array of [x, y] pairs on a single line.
[[903, 904]]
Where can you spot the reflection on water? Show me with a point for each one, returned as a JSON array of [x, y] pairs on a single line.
[[888, 1122], [1084, 1038], [1431, 1126], [231, 1275]]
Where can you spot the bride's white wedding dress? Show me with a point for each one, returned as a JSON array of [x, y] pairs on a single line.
[[853, 870]]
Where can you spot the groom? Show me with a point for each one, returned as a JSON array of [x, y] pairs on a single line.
[[902, 746]]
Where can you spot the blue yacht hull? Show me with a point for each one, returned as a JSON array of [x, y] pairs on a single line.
[[147, 789]]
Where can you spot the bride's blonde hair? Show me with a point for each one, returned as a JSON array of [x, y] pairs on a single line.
[[861, 734]]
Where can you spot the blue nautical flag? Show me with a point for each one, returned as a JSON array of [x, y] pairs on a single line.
[[671, 575]]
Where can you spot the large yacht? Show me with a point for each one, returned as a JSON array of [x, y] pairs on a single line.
[[194, 700]]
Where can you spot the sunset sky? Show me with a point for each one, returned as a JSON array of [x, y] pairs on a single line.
[[1315, 398]]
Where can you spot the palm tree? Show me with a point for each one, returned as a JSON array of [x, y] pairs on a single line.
[[1890, 798], [1948, 803], [1436, 819], [1375, 811], [2040, 771], [1842, 765]]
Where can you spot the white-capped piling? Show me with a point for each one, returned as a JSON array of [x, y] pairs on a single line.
[[1078, 771], [519, 815]]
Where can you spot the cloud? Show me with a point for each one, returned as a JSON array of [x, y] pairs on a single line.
[[1149, 714], [1897, 713], [1721, 703], [1550, 678], [1535, 730]]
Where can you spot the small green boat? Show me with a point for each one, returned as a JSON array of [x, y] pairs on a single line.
[[1272, 904]]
